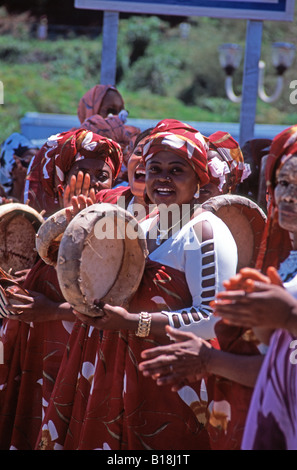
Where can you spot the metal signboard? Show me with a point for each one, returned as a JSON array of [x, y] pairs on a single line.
[[279, 10]]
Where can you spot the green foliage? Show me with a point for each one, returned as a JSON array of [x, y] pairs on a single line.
[[162, 71]]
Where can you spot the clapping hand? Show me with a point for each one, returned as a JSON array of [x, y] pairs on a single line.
[[178, 364]]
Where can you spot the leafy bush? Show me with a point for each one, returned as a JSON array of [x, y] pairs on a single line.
[[161, 71]]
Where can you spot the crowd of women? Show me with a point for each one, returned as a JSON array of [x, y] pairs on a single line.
[[203, 356]]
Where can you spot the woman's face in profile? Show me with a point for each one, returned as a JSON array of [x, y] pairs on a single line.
[[136, 170], [285, 194]]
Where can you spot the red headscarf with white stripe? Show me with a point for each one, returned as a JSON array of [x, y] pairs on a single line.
[[183, 140], [48, 169]]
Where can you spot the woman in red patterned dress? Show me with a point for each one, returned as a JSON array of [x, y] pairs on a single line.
[[35, 340], [123, 410]]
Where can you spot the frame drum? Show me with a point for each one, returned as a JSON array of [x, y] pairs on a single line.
[[101, 258], [18, 226], [245, 220], [49, 236]]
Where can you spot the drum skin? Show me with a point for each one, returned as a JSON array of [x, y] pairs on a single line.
[[19, 224], [245, 220], [101, 258]]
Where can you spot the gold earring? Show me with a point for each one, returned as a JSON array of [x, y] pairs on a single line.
[[197, 194]]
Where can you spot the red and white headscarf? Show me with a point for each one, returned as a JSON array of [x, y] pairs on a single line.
[[183, 140], [231, 162], [114, 128], [49, 168], [283, 146]]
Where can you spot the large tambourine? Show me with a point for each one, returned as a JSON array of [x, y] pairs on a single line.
[[245, 220], [101, 258], [19, 224], [49, 236]]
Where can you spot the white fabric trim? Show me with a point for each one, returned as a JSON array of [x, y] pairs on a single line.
[[184, 252]]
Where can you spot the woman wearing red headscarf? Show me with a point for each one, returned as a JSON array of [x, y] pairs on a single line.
[[271, 422], [100, 99], [35, 340], [191, 253], [105, 103], [66, 154], [231, 365]]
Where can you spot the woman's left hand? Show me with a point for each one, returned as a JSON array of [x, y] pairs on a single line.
[[109, 318]]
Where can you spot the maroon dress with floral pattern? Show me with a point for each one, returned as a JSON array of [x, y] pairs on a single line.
[[32, 357], [102, 401]]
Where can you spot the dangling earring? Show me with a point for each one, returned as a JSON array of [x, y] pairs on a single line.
[[197, 194]]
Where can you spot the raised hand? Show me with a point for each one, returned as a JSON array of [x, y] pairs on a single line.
[[78, 185], [78, 194]]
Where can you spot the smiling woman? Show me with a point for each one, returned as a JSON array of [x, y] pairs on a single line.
[[181, 232], [170, 179], [132, 197], [136, 168], [124, 410]]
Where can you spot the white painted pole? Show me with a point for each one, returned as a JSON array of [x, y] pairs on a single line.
[[250, 80], [109, 48]]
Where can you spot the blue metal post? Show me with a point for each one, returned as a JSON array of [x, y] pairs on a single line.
[[250, 80], [109, 48]]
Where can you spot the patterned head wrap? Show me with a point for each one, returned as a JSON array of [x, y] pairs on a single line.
[[49, 168], [231, 161], [276, 243], [114, 128], [183, 140], [283, 146], [16, 144], [91, 101]]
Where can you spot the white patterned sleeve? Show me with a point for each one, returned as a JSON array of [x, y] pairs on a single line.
[[207, 263]]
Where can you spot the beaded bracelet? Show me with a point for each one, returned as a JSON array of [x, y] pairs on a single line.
[[144, 324]]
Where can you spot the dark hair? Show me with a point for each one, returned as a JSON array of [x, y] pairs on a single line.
[[141, 136]]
